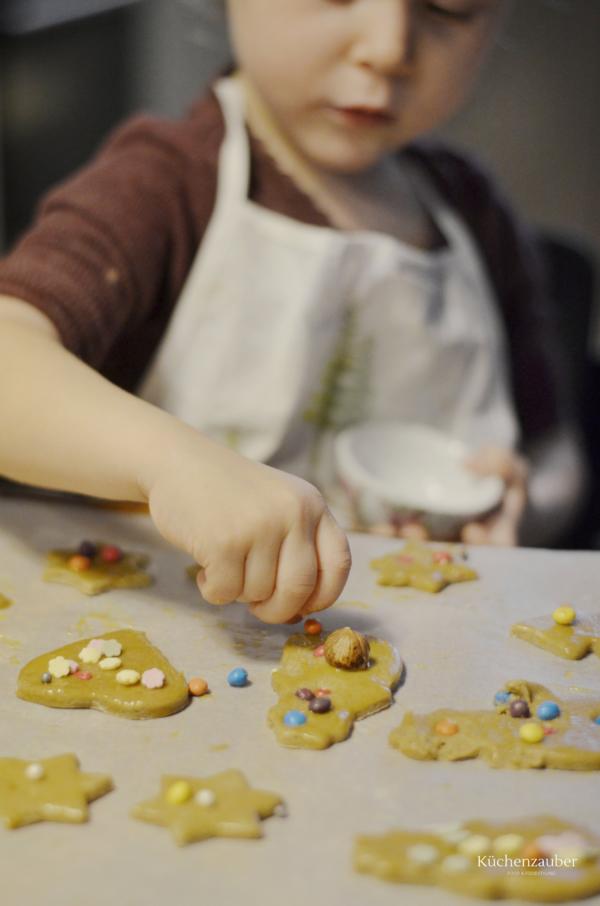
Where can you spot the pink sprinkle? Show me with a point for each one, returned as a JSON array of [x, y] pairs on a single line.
[[319, 651], [82, 674], [442, 557], [404, 558], [153, 678], [96, 643], [548, 731], [73, 666]]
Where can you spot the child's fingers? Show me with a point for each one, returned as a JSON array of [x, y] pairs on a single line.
[[223, 581], [414, 530], [295, 581], [507, 464], [334, 562], [261, 571]]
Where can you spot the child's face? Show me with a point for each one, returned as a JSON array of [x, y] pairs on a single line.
[[350, 80]]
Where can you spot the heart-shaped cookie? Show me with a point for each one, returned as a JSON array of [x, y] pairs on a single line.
[[119, 672]]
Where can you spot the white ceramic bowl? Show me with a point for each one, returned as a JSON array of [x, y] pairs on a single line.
[[398, 468]]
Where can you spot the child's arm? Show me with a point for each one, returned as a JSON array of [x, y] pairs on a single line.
[[261, 536]]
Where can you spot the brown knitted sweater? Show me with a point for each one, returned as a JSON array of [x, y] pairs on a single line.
[[110, 249]]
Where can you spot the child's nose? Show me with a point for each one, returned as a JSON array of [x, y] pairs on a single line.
[[385, 37]]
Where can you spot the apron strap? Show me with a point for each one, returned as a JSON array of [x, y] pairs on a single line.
[[234, 154]]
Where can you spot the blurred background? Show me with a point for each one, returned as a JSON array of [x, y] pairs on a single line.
[[71, 69]]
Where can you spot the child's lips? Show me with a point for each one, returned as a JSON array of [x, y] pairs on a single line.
[[363, 117]]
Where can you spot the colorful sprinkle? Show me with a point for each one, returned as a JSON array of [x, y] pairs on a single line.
[[205, 798], [597, 720], [519, 708], [548, 711], [87, 549], [83, 675], [475, 845], [455, 863], [96, 643], [501, 697], [442, 557], [73, 666], [531, 733], [179, 792], [46, 677], [322, 693], [564, 615], [110, 553], [78, 563], [548, 730], [58, 667], [313, 627], [91, 654], [197, 686], [305, 694], [319, 651], [446, 727], [343, 715], [153, 678], [127, 677], [423, 853], [320, 705], [111, 647], [294, 719], [35, 771], [508, 844], [237, 677], [110, 663]]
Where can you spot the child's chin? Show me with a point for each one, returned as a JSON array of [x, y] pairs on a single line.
[[343, 157]]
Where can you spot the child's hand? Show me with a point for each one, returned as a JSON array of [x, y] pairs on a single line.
[[502, 526], [260, 536]]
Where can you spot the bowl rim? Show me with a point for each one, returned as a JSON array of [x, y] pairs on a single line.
[[355, 473]]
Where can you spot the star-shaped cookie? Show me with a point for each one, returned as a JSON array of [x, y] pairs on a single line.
[[423, 567], [196, 808], [51, 789], [529, 727], [572, 641]]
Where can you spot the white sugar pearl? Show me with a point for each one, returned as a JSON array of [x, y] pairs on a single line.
[[423, 853], [205, 797], [34, 771], [111, 648], [475, 845], [127, 677], [90, 654], [110, 663], [455, 863]]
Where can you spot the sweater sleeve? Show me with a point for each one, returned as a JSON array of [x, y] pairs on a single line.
[[113, 242]]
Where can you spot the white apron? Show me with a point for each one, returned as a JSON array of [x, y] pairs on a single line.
[[285, 333]]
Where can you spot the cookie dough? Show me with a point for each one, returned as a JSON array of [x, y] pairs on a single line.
[[573, 641], [100, 575], [353, 694], [119, 672], [51, 789], [196, 808], [569, 741], [534, 859], [422, 567]]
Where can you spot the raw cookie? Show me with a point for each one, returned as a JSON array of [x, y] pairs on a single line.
[[354, 694], [560, 861], [51, 789], [196, 808], [570, 741], [572, 642], [423, 567], [127, 572], [90, 685]]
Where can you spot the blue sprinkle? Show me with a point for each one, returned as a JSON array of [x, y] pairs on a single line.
[[597, 720], [237, 677], [501, 697], [294, 719], [548, 711]]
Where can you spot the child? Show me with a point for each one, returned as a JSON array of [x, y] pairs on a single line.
[[281, 262]]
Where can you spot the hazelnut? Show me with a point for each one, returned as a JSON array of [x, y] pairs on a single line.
[[347, 649]]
